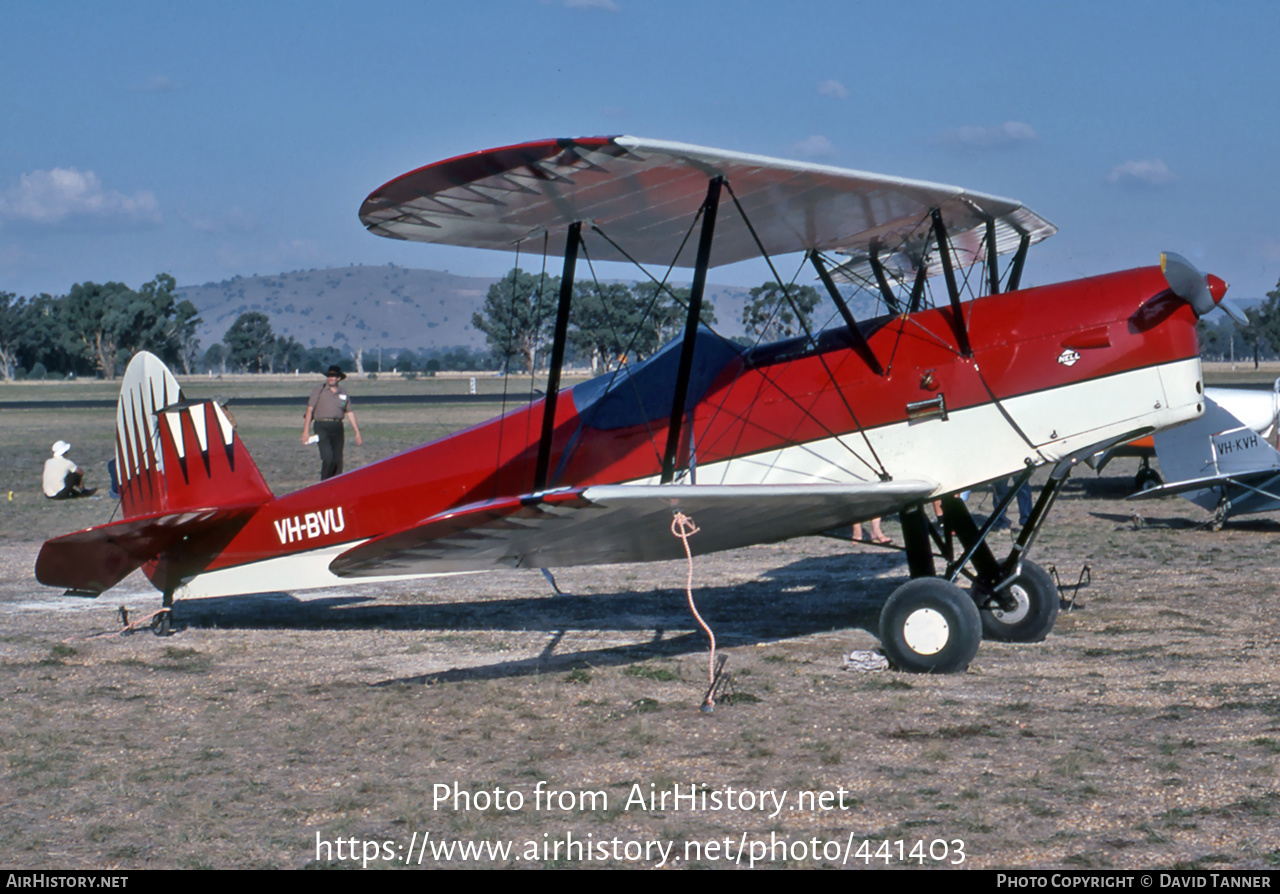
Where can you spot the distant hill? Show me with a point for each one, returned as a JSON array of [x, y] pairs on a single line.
[[359, 306], [386, 306]]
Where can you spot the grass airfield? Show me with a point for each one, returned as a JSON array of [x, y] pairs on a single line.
[[1145, 732]]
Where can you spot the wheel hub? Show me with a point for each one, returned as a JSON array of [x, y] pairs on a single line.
[[926, 631], [1019, 611]]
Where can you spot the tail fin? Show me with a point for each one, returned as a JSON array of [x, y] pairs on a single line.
[[176, 455], [183, 473], [1205, 456]]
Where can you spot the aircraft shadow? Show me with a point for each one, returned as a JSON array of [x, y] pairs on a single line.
[[811, 595]]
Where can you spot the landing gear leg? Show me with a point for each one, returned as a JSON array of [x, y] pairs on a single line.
[[1220, 514], [162, 623], [1017, 599], [1147, 477]]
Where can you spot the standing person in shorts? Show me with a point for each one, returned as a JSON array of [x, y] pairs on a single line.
[[328, 407]]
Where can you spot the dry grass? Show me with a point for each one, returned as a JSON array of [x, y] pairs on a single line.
[[1142, 733]]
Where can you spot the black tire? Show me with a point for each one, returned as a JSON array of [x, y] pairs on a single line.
[[162, 624], [930, 626], [1035, 614], [1146, 479]]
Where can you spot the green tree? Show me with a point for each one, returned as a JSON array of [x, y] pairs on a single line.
[[106, 324], [406, 360], [769, 316], [250, 342], [287, 354], [215, 359], [92, 318], [1262, 335], [13, 332], [519, 312], [44, 340], [606, 321], [162, 324], [664, 317]]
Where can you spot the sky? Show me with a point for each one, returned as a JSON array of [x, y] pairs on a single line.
[[238, 138]]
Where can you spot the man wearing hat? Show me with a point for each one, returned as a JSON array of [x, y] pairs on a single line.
[[61, 476], [329, 405]]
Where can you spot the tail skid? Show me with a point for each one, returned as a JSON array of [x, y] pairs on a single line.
[[184, 472]]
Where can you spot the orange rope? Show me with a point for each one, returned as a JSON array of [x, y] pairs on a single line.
[[683, 526]]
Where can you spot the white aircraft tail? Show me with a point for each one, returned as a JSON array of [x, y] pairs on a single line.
[[1202, 458]]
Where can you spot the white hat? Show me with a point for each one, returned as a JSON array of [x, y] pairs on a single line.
[[60, 447]]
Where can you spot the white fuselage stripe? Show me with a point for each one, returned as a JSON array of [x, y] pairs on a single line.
[[970, 447]]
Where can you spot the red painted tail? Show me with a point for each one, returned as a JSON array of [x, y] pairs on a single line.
[[183, 473], [174, 455]]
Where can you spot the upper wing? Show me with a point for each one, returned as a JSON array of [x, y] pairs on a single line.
[[644, 194], [619, 523]]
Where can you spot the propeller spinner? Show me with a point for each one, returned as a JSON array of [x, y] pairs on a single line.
[[1202, 292]]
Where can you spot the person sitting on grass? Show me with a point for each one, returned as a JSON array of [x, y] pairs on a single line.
[[62, 477]]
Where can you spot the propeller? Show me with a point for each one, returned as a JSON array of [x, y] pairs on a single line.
[[1195, 288]]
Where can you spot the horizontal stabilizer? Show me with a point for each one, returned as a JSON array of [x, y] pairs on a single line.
[[620, 523], [93, 560], [1241, 479], [1211, 453]]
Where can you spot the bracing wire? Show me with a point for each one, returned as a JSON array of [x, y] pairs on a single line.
[[883, 473]]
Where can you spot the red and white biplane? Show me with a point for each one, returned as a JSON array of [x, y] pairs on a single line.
[[872, 417]]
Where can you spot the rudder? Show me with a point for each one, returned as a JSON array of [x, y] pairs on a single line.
[[173, 454], [184, 473]]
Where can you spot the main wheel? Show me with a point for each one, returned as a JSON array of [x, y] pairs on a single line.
[[1146, 479], [1035, 612], [930, 626]]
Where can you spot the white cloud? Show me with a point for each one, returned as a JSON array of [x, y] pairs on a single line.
[[50, 197], [1148, 171], [834, 89], [816, 146], [159, 83], [1011, 133]]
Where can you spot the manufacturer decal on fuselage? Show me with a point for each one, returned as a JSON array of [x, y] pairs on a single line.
[[1068, 357], [310, 526]]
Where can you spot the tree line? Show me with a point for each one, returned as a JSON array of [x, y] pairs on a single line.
[[94, 328], [1260, 340], [611, 323], [250, 345]]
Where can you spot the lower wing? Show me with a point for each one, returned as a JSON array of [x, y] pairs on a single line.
[[619, 523]]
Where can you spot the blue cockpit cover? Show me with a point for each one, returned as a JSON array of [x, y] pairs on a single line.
[[642, 393]]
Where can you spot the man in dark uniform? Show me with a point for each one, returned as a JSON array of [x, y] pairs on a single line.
[[329, 406]]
